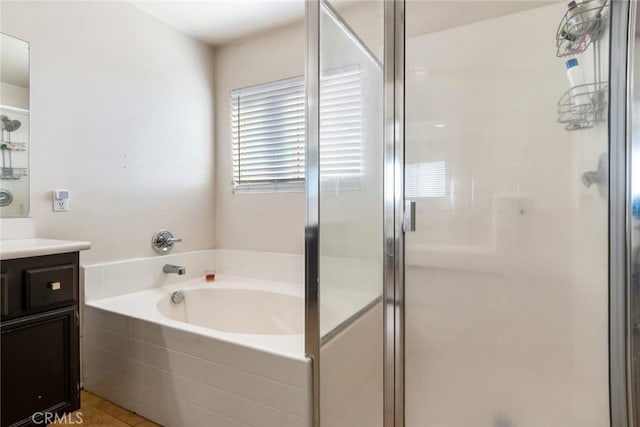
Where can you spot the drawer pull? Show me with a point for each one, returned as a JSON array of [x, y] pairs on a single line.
[[54, 286]]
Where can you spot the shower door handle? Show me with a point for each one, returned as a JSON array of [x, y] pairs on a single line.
[[409, 222]]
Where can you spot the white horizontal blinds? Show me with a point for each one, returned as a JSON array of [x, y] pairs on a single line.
[[267, 133], [426, 179], [341, 123]]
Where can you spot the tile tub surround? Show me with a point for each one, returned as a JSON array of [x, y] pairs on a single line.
[[176, 377], [118, 278], [180, 379]]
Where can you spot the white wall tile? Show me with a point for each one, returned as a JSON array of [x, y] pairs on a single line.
[[113, 280], [295, 400], [93, 282], [271, 392], [270, 417], [289, 420], [222, 402], [297, 373]]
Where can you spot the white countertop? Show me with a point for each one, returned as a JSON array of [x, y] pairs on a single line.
[[22, 248]]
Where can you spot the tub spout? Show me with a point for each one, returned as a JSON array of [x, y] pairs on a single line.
[[178, 269]]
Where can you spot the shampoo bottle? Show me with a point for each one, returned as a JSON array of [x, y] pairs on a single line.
[[579, 92]]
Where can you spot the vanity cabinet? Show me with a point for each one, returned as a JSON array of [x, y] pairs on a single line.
[[39, 348]]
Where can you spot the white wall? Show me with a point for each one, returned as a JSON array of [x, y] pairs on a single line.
[[122, 116], [263, 222]]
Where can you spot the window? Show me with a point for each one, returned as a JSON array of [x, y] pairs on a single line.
[[267, 136], [267, 132]]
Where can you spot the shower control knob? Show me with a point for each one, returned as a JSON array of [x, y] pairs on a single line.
[[162, 242]]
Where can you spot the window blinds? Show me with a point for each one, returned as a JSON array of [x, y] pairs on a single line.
[[267, 131]]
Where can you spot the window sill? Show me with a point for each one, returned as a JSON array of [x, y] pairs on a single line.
[[273, 187]]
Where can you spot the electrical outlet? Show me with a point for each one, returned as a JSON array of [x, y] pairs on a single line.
[[60, 200], [61, 205]]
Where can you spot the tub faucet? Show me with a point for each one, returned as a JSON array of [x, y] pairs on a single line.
[[178, 269]]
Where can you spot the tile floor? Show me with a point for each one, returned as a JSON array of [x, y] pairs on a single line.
[[99, 412]]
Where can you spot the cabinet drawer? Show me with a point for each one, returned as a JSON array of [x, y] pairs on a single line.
[[37, 284], [48, 286]]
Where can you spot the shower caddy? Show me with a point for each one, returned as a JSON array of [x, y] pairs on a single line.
[[578, 30]]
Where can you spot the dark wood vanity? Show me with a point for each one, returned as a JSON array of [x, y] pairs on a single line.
[[40, 347]]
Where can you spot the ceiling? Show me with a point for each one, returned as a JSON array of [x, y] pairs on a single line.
[[429, 16], [216, 22]]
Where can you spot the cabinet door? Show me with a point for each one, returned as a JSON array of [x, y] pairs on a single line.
[[39, 371]]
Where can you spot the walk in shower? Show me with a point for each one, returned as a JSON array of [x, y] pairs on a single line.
[[468, 213], [506, 283]]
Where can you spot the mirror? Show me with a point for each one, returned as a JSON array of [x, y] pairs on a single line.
[[14, 123]]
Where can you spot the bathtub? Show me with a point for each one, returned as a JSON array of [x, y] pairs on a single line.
[[230, 354], [237, 309]]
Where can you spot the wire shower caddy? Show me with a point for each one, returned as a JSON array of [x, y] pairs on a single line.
[[583, 106]]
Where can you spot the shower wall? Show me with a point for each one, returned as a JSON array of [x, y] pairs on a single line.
[[506, 274]]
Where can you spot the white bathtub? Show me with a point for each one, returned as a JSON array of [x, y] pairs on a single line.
[[238, 309], [260, 314], [231, 354]]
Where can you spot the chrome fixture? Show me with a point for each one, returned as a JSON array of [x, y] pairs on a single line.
[[598, 176], [162, 242], [177, 297], [624, 265], [177, 269], [409, 223], [5, 197]]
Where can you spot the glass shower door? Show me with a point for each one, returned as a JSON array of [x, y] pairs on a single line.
[[506, 275], [345, 250]]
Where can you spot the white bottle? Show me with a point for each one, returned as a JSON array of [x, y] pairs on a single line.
[[579, 91]]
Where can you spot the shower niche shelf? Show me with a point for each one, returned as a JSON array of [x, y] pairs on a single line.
[[580, 27], [583, 106]]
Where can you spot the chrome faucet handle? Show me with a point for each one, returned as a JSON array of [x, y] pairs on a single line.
[[162, 241]]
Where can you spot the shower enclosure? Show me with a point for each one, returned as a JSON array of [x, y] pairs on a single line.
[[471, 238]]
